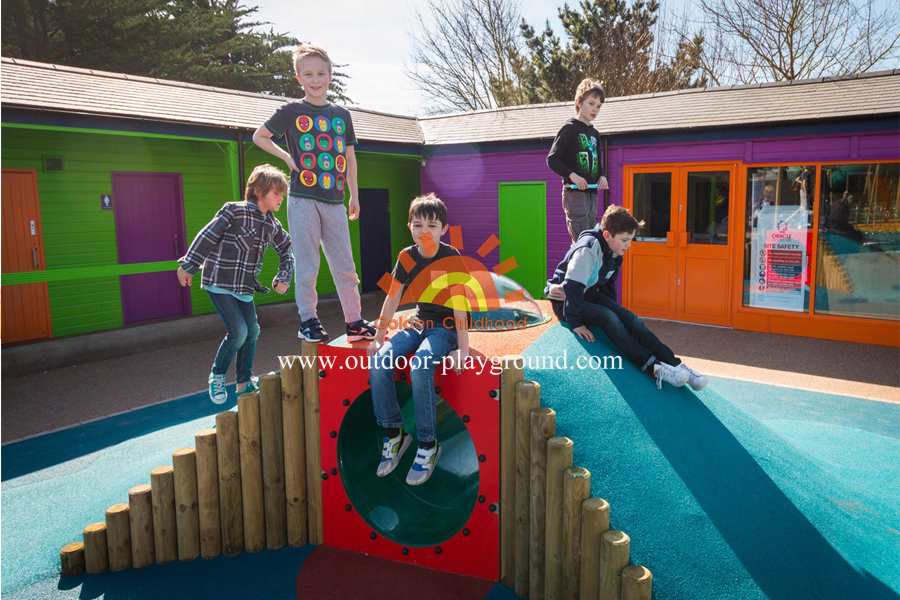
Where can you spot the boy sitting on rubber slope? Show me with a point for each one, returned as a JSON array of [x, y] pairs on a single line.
[[582, 292]]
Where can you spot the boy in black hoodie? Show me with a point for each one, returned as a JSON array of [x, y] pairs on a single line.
[[582, 292], [575, 157]]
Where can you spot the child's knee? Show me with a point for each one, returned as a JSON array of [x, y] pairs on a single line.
[[423, 363], [253, 332], [238, 334]]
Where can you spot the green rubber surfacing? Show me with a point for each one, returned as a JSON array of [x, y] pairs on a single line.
[[742, 490]]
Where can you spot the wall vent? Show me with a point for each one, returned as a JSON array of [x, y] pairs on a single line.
[[53, 164]]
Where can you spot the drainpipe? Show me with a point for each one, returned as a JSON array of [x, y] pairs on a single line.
[[240, 157], [606, 166]]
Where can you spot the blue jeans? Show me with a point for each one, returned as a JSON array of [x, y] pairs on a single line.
[[625, 330], [243, 331], [431, 345]]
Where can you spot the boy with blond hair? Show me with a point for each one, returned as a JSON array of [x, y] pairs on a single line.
[[320, 139], [574, 156]]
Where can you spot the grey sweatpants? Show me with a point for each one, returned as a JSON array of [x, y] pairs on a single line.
[[581, 211], [313, 223]]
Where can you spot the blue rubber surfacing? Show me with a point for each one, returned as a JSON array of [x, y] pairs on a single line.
[[743, 490]]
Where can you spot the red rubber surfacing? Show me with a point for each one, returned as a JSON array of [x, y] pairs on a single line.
[[336, 574]]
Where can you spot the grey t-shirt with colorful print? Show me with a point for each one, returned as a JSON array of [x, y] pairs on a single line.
[[317, 138]]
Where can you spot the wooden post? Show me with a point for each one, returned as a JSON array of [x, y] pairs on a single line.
[[313, 447], [251, 473], [637, 583], [162, 491], [543, 427], [271, 431], [559, 458], [140, 505], [528, 398], [594, 522], [208, 493], [71, 559], [576, 489], [118, 537], [294, 451], [96, 555], [187, 513], [229, 463], [512, 374], [614, 550]]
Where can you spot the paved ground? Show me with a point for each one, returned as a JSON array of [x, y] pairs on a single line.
[[45, 401]]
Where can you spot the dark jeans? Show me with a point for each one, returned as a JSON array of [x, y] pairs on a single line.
[[625, 330], [243, 331]]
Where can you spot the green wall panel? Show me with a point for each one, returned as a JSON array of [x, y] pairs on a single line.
[[78, 234]]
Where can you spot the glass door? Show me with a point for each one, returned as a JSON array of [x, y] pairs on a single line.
[[650, 284], [704, 242]]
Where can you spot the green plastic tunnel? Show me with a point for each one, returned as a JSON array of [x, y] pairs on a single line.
[[424, 515]]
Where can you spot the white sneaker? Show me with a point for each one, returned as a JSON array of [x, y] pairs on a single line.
[[696, 380], [392, 452], [675, 376], [423, 466]]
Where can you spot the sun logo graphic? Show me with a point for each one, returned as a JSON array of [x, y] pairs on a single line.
[[457, 282]]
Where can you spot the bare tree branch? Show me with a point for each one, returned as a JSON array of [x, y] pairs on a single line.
[[781, 40]]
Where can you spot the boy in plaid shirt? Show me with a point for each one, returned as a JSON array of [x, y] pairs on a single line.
[[230, 251]]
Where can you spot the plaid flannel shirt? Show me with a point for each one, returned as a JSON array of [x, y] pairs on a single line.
[[230, 249]]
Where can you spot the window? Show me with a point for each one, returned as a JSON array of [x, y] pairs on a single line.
[[858, 262], [778, 237], [653, 205]]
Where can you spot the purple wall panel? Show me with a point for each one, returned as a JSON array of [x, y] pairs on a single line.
[[879, 146], [682, 152], [468, 183]]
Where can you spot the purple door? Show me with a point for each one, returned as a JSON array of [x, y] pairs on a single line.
[[150, 228]]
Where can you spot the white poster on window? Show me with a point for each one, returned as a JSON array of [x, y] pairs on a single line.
[[780, 258]]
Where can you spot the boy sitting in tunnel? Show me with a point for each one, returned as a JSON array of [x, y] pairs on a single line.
[[436, 332], [582, 292]]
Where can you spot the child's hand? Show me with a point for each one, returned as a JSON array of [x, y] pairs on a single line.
[[602, 184], [458, 360], [354, 209], [184, 278], [289, 161], [374, 347], [584, 333], [281, 287], [578, 180]]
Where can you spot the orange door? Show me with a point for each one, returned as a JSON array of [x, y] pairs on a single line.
[[680, 262], [704, 244], [25, 307]]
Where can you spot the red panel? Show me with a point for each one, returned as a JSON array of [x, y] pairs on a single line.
[[477, 554]]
